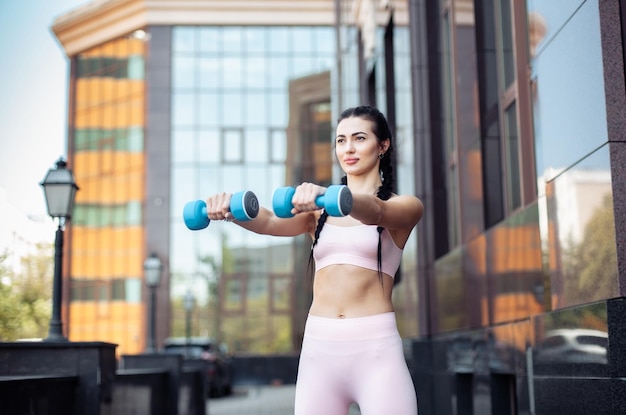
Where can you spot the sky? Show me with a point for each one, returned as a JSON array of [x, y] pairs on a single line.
[[33, 98]]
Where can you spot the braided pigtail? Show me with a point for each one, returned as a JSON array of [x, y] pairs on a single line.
[[384, 193]]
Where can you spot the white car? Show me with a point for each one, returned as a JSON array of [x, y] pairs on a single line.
[[573, 346]]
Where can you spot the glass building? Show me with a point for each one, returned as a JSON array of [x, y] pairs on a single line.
[[508, 118], [167, 113]]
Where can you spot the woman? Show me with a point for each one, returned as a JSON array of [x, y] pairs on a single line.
[[351, 351]]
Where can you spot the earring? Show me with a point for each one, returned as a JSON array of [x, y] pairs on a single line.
[[381, 155]]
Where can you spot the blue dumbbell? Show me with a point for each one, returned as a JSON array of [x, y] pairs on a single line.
[[337, 201], [244, 206]]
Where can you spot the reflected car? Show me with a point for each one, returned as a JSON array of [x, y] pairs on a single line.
[[579, 346], [219, 374]]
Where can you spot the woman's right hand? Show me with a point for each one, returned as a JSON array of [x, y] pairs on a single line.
[[218, 207]]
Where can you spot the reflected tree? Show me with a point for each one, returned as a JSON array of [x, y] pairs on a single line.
[[590, 266]]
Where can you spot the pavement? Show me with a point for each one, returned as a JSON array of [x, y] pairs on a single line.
[[258, 400]]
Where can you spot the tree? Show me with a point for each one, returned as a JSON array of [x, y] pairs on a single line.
[[9, 305], [25, 298]]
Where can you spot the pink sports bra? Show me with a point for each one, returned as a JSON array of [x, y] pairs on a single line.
[[356, 245]]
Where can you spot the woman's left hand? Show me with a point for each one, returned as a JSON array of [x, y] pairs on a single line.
[[304, 198]]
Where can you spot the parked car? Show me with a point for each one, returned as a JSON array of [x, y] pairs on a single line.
[[577, 346], [218, 363]]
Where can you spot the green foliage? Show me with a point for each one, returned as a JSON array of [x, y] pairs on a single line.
[[590, 267], [25, 298]]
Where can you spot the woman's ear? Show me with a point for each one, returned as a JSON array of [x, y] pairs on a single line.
[[385, 145]]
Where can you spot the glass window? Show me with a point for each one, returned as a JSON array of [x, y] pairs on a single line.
[[89, 291], [279, 113], [183, 149], [233, 72], [209, 73], [512, 158], [210, 39], [325, 40], [76, 290], [183, 72], [133, 290], [134, 213], [232, 115], [570, 108], [255, 73], [232, 178], [184, 188], [301, 66], [255, 39], [449, 114], [234, 293], [209, 180], [278, 74], [506, 39], [135, 139], [323, 63], [279, 40], [257, 178], [302, 38], [209, 146], [209, 109], [184, 39], [103, 292], [256, 146], [183, 105], [278, 143], [280, 293], [118, 290], [232, 146], [232, 41], [256, 110], [136, 68], [117, 215]]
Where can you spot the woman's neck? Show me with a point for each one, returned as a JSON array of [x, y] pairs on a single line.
[[364, 185]]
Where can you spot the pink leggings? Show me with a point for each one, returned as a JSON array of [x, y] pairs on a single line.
[[353, 360]]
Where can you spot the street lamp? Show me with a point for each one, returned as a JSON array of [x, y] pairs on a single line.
[[152, 268], [59, 189], [188, 302]]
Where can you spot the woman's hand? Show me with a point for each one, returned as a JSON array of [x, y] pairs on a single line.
[[304, 198], [218, 207]]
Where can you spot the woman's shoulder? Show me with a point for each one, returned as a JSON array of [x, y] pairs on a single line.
[[409, 207], [408, 199]]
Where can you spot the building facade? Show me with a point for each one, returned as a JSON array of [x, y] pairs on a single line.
[[519, 131], [508, 118]]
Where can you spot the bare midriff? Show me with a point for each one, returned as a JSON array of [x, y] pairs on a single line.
[[348, 291]]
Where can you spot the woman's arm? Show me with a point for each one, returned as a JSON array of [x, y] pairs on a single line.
[[266, 222], [399, 212]]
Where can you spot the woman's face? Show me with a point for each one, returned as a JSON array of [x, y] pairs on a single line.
[[357, 147]]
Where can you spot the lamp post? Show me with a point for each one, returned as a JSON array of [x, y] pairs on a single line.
[[152, 268], [188, 302], [59, 190]]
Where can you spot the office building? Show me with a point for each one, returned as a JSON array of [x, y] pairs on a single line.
[[508, 121]]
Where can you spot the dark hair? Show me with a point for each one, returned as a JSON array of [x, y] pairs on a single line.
[[380, 127]]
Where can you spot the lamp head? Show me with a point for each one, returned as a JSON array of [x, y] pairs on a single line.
[[60, 189]]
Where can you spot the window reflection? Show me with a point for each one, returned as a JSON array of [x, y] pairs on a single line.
[[570, 119]]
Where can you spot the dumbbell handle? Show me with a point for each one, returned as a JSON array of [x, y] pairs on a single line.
[[337, 201]]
